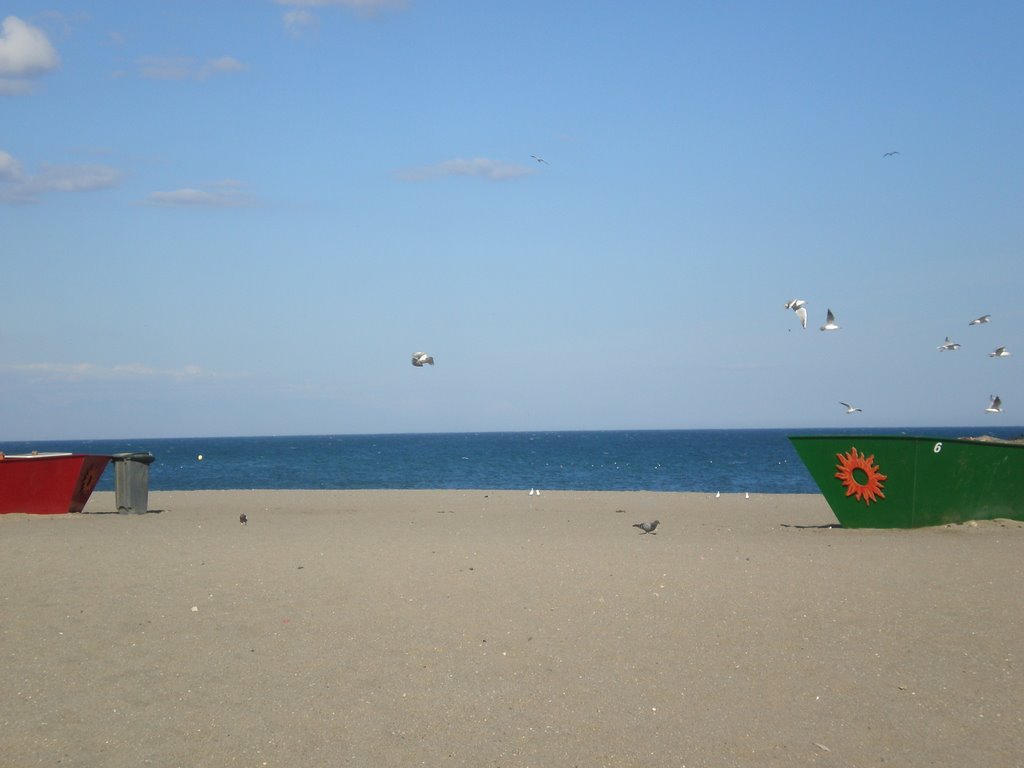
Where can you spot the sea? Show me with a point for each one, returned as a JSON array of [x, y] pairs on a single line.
[[725, 460]]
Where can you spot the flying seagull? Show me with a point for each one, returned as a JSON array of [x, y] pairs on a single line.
[[419, 359], [849, 408], [950, 346], [830, 322], [647, 527], [540, 160], [890, 154], [800, 307], [995, 405], [981, 320], [1000, 352]]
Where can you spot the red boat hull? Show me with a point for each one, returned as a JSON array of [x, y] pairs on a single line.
[[48, 484]]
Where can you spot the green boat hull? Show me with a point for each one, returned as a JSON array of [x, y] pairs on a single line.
[[891, 481]]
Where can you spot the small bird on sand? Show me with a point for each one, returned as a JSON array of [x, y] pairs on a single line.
[[800, 307], [419, 359], [647, 527], [849, 408], [830, 322], [243, 519], [999, 352], [981, 320], [718, 494], [995, 405], [950, 346]]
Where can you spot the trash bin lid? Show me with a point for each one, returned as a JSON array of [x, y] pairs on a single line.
[[143, 457]]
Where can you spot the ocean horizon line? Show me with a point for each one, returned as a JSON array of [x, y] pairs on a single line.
[[860, 429], [756, 460]]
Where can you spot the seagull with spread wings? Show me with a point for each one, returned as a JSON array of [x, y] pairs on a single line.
[[799, 306], [830, 322]]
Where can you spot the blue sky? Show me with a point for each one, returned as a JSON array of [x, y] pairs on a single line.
[[243, 218]]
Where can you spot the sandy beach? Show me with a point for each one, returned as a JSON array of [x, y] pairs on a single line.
[[494, 628]]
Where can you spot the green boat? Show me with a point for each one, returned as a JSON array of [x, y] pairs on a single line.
[[892, 481]]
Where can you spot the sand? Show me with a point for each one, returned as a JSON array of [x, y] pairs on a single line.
[[476, 628]]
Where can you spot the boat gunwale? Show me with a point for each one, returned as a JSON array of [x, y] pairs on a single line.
[[981, 440]]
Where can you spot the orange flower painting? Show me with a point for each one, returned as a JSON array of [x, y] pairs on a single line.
[[860, 475]]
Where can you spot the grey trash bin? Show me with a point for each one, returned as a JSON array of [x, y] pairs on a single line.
[[131, 481]]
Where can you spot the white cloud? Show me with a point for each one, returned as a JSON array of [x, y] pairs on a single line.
[[493, 170], [75, 178], [63, 23], [224, 194], [356, 5], [16, 186], [25, 52], [9, 87], [72, 372], [186, 68], [226, 64], [10, 169], [297, 22]]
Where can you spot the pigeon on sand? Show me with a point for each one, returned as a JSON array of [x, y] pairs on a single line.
[[647, 527], [948, 345], [849, 408], [419, 359], [995, 405], [830, 322], [800, 307], [243, 519]]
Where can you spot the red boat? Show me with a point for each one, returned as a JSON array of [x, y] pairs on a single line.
[[48, 483]]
